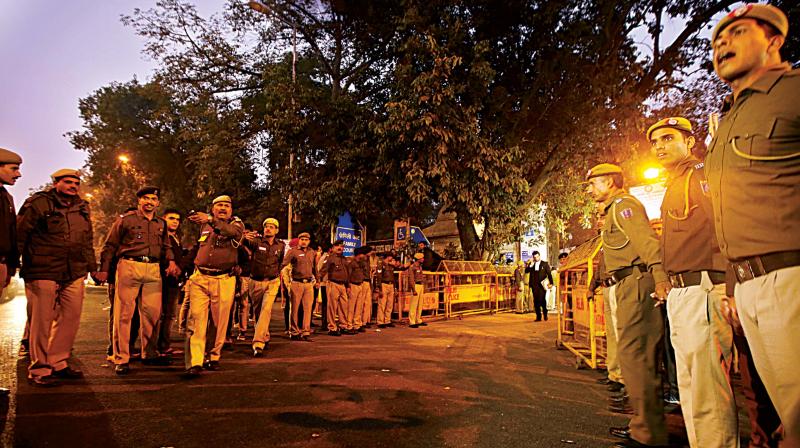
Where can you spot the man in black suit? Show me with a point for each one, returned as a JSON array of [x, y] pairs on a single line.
[[539, 271]]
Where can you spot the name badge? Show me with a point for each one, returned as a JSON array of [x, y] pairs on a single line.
[[203, 237], [262, 248]]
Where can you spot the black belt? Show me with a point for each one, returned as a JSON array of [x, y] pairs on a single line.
[[213, 272], [143, 259], [263, 279], [302, 280], [752, 267], [418, 283], [693, 278], [620, 274]]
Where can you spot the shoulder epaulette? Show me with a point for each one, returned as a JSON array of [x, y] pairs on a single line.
[[699, 166], [132, 212]]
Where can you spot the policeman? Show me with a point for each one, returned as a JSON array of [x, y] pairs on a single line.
[[55, 238], [416, 281], [212, 285], [265, 279], [753, 169], [366, 305], [337, 269], [702, 339], [303, 261], [386, 298], [9, 257], [633, 261], [357, 293], [139, 241]]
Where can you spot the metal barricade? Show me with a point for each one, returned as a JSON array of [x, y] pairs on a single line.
[[581, 321]]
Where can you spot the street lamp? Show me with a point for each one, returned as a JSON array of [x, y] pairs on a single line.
[[260, 7], [123, 158], [651, 173]]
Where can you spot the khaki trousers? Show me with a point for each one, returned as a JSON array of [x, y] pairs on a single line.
[[209, 295], [337, 304], [355, 303], [366, 305], [610, 310], [385, 303], [415, 307], [640, 327], [769, 308], [264, 293], [56, 314], [142, 282], [703, 343], [246, 301], [302, 294]]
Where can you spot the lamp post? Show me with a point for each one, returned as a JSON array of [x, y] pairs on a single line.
[[261, 7]]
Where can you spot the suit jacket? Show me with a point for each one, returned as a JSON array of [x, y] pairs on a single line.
[[537, 275]]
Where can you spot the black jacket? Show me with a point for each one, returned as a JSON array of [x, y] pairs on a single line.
[[55, 238]]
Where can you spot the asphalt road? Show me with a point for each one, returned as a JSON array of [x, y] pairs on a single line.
[[484, 381]]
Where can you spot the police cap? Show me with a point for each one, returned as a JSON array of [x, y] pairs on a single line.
[[338, 243], [678, 123], [758, 11], [148, 190], [7, 156], [65, 172], [272, 221], [603, 169], [304, 235], [222, 198], [419, 256]]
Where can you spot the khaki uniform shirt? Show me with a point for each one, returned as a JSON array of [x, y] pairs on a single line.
[[267, 258], [628, 239], [688, 241], [415, 275], [303, 263], [218, 244], [337, 269], [753, 168], [134, 235], [357, 274]]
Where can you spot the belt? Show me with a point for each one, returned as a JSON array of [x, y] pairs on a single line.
[[619, 275], [302, 280], [752, 267], [213, 272], [418, 283], [143, 259], [693, 278], [263, 279]]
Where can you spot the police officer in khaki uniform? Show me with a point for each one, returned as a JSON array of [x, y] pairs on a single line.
[[357, 292], [265, 279], [416, 281], [337, 269], [633, 260], [303, 261], [753, 168], [55, 238], [213, 285], [366, 287], [139, 240], [702, 339], [386, 299]]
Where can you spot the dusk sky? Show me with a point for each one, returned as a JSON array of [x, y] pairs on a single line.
[[52, 54]]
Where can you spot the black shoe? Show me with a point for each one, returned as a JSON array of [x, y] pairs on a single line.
[[614, 386], [257, 352], [367, 325], [538, 319], [24, 348], [382, 325], [122, 369], [623, 432], [334, 333], [603, 380], [68, 373], [306, 338], [423, 324], [193, 372], [413, 326], [361, 330], [157, 361], [44, 381], [211, 365], [391, 324], [545, 317], [350, 332]]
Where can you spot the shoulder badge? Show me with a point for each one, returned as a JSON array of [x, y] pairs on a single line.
[[705, 187], [626, 213]]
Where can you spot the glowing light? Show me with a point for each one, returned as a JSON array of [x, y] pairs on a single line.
[[123, 158], [651, 173]]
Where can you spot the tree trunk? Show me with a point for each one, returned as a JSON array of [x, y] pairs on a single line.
[[467, 235]]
